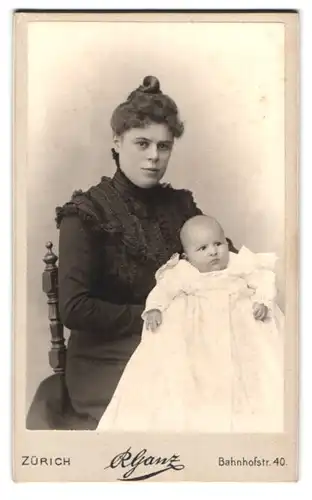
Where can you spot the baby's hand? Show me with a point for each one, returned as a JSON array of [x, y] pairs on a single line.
[[260, 311], [153, 319]]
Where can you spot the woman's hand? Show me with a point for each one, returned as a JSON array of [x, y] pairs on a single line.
[[260, 311], [153, 319]]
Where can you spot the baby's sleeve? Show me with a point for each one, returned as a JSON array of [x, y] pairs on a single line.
[[168, 286], [262, 278], [263, 284]]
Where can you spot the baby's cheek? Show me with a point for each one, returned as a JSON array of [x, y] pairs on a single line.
[[224, 255]]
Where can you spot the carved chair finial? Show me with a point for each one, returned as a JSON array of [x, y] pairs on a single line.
[[50, 259]]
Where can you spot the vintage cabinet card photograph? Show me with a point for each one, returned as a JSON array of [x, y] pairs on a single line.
[[155, 246]]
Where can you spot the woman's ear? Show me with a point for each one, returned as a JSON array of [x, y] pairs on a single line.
[[183, 256], [117, 142]]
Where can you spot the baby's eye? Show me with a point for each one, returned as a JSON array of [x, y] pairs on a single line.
[[203, 247], [218, 243]]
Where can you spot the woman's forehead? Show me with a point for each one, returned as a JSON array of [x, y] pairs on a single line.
[[155, 132]]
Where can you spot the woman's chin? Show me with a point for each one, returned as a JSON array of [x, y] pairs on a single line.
[[147, 183]]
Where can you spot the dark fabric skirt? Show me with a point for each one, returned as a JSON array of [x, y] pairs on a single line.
[[78, 400], [93, 370]]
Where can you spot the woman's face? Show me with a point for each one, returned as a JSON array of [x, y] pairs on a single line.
[[144, 153]]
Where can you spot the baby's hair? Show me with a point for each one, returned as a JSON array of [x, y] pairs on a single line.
[[197, 220]]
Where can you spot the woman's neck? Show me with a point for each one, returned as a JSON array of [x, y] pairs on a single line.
[[127, 187]]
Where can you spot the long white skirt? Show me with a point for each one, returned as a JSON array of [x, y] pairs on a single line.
[[210, 367]]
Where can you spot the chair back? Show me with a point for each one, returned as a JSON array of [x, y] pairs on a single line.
[[57, 352]]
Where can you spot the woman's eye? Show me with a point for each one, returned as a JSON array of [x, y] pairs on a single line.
[[163, 147], [142, 144]]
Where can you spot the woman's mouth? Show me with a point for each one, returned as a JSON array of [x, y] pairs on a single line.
[[151, 170]]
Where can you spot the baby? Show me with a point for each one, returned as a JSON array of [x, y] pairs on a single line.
[[206, 248], [215, 363]]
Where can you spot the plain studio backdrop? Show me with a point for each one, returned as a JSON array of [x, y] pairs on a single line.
[[228, 82]]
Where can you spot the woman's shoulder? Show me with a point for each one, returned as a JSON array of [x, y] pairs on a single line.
[[84, 204], [167, 188], [183, 198], [100, 207]]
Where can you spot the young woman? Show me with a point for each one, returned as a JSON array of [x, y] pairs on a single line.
[[113, 238]]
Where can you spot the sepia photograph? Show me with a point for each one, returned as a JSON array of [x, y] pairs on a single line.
[[155, 197]]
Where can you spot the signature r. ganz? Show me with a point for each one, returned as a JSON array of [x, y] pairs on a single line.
[[132, 465]]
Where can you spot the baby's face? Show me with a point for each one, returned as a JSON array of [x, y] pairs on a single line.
[[206, 248]]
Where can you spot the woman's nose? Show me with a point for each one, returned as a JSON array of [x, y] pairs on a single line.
[[152, 152]]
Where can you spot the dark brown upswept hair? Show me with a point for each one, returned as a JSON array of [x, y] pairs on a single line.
[[144, 105]]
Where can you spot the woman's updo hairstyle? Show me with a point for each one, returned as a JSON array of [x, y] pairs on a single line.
[[144, 105]]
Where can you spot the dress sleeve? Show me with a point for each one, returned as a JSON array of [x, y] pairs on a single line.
[[79, 310], [168, 286], [260, 276], [191, 207], [262, 281]]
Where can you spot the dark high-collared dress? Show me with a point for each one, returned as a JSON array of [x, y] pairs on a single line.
[[113, 238]]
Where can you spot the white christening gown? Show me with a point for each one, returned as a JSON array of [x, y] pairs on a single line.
[[210, 366]]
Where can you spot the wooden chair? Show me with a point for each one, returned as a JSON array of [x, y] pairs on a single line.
[[57, 352], [51, 407]]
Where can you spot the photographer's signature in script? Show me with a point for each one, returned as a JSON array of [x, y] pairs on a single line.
[[142, 465]]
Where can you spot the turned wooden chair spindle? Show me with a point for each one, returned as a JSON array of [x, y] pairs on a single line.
[[57, 353]]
